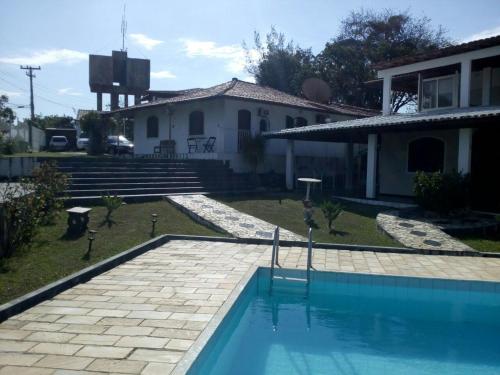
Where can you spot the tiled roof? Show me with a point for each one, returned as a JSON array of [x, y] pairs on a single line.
[[237, 89], [397, 120], [442, 52]]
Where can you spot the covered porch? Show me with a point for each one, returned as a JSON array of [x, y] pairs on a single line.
[[399, 145]]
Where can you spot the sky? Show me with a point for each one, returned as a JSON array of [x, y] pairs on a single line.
[[190, 43]]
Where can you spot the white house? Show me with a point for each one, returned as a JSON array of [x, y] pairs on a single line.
[[456, 126], [213, 122]]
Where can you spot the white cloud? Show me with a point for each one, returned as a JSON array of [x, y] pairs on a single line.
[[50, 56], [162, 74], [68, 91], [10, 94], [233, 54], [249, 79], [483, 34], [145, 41]]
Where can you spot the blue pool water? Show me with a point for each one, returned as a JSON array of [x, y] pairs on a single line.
[[357, 325]]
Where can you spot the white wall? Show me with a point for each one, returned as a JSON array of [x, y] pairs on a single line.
[[394, 177], [213, 112], [221, 121]]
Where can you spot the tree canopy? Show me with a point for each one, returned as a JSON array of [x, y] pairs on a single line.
[[347, 61], [53, 121], [7, 115]]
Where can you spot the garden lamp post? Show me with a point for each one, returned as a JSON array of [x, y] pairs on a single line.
[[154, 219], [308, 207], [91, 238]]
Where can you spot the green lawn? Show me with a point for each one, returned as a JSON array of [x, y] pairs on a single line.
[[47, 154], [53, 256], [355, 225], [488, 243]]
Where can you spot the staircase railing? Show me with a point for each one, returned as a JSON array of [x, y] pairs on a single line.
[[274, 255]]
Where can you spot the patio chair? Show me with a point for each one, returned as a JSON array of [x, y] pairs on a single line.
[[209, 145], [192, 145]]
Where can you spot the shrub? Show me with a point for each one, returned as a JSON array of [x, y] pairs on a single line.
[[442, 192], [331, 211], [49, 184], [21, 216], [111, 203], [10, 146]]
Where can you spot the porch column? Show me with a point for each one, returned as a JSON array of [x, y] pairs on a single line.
[[386, 96], [371, 166], [465, 72], [464, 150], [289, 163], [349, 161]]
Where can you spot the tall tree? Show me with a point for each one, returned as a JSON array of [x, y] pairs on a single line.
[[366, 39], [7, 115], [279, 63]]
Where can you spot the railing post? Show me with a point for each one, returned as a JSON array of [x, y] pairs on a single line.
[[277, 244], [309, 256], [273, 259]]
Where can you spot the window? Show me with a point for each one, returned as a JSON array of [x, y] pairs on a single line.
[[426, 154], [196, 123], [152, 129], [300, 121], [244, 120], [264, 125], [289, 122], [476, 88], [438, 93], [495, 87]]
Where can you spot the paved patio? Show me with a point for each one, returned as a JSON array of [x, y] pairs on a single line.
[[418, 234], [142, 316]]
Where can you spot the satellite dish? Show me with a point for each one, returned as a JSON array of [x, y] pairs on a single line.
[[317, 90]]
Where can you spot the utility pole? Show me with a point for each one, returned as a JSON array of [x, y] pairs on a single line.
[[30, 74]]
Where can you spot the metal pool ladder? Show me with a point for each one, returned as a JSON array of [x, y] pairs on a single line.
[[275, 256]]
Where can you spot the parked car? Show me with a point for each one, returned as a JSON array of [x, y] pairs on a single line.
[[58, 143], [82, 143], [118, 144]]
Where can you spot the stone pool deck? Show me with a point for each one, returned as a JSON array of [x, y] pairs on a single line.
[[226, 219], [144, 315]]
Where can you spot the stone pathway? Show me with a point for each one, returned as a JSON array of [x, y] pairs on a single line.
[[143, 316], [418, 234], [226, 219]]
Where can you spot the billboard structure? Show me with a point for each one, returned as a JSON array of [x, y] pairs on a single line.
[[118, 75]]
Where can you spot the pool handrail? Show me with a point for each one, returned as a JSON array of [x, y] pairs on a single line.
[[274, 255], [309, 255]]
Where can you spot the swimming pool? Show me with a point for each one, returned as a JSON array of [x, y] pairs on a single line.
[[357, 324]]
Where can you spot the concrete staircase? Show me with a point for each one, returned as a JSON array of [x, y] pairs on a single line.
[[147, 178]]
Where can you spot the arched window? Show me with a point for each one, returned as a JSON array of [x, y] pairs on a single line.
[[426, 154], [152, 129], [289, 122], [244, 120], [300, 121], [264, 125], [196, 123]]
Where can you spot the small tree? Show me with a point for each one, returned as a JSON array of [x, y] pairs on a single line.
[[97, 127], [111, 203], [331, 211], [253, 151]]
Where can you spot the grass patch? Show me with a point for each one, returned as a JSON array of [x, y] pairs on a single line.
[[48, 154], [355, 225], [487, 243], [54, 256]]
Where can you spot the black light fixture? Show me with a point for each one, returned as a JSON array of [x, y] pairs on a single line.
[[91, 238], [154, 219]]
